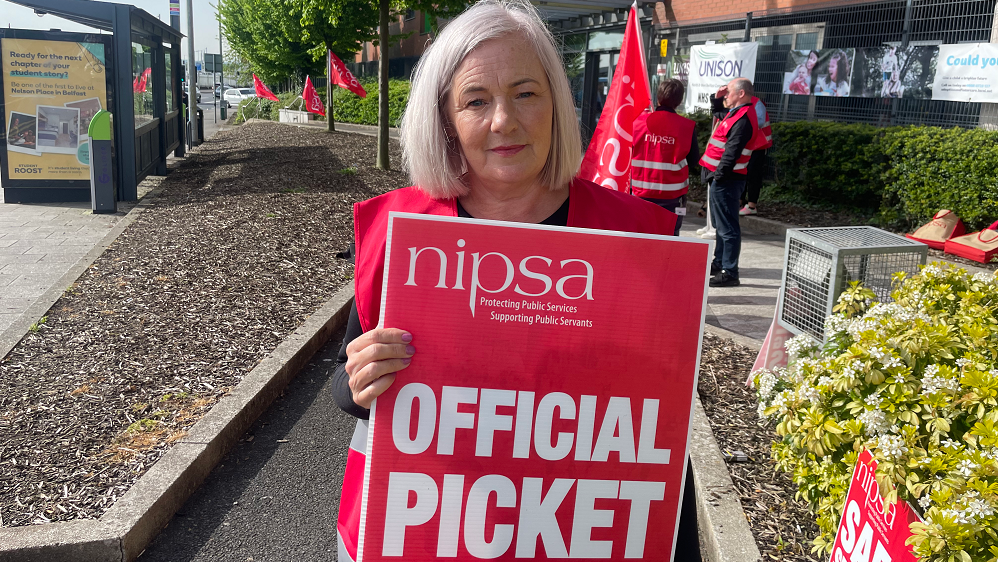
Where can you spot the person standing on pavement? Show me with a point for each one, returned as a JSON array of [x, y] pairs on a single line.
[[760, 143], [665, 146], [727, 157]]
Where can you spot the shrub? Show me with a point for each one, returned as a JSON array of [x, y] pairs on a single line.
[[915, 381], [347, 106], [933, 168], [351, 108], [836, 163]]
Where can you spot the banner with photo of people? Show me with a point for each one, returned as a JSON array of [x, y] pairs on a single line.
[[967, 72], [827, 72]]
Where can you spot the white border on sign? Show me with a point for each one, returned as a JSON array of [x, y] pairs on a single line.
[[530, 226]]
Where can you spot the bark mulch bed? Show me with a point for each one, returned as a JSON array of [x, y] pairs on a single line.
[[238, 249], [782, 526]]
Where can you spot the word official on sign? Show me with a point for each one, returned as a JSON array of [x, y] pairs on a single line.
[[868, 532], [546, 411]]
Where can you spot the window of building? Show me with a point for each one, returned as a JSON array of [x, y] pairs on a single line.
[[410, 14], [606, 40]]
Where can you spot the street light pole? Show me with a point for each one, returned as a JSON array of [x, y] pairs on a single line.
[[192, 74]]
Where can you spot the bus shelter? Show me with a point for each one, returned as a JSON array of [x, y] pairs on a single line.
[[54, 82]]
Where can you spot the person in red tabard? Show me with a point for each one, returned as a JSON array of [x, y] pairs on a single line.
[[489, 132], [665, 146]]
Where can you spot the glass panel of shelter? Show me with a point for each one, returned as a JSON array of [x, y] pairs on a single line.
[[142, 84]]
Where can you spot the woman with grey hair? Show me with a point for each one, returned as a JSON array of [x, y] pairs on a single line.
[[489, 132]]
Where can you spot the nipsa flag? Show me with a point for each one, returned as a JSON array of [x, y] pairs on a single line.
[[312, 101], [340, 75], [262, 91], [608, 158]]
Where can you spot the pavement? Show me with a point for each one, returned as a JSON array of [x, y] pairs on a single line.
[[41, 242]]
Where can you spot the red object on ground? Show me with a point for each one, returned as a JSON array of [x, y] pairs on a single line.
[[608, 157], [866, 531], [262, 91], [945, 225], [978, 246], [773, 352], [312, 101], [340, 75], [546, 412]]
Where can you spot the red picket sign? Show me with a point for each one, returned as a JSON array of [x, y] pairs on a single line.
[[340, 75], [546, 411], [312, 101], [867, 532]]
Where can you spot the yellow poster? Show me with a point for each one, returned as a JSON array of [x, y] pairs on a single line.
[[52, 89]]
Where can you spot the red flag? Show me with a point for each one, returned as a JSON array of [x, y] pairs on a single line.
[[608, 158], [262, 91], [312, 101], [340, 75]]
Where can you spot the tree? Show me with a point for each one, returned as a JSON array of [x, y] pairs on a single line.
[[270, 37]]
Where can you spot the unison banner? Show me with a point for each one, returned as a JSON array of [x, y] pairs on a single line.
[[546, 411], [713, 66], [967, 72]]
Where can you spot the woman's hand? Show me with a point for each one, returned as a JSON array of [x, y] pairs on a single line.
[[373, 359]]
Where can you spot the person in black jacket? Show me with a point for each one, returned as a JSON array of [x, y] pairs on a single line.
[[727, 184]]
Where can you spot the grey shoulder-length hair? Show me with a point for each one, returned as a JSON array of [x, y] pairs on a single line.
[[432, 159]]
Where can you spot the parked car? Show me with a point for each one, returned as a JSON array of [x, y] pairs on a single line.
[[219, 90], [235, 95]]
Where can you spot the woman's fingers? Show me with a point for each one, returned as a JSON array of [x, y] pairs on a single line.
[[379, 335], [374, 371], [372, 360], [366, 396]]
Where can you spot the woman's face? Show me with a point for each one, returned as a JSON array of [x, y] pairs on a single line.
[[812, 59], [833, 69], [500, 109]]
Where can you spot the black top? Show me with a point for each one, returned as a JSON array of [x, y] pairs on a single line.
[[341, 380], [693, 158], [739, 136]]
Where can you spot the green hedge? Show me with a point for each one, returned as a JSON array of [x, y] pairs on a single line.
[[933, 168], [908, 173], [347, 106], [830, 163]]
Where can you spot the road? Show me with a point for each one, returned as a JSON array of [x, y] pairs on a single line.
[[275, 496]]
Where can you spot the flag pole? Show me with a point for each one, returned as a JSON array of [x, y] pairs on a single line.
[[644, 55], [330, 112]]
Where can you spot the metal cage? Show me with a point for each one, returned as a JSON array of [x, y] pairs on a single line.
[[820, 262]]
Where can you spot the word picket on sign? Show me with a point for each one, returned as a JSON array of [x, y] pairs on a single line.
[[511, 439]]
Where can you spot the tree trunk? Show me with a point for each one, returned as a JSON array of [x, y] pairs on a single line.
[[383, 87]]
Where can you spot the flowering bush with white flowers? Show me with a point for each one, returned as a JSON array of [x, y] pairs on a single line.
[[914, 381]]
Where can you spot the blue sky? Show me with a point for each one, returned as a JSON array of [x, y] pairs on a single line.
[[205, 24]]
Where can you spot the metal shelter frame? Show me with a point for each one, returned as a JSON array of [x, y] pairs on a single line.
[[138, 152]]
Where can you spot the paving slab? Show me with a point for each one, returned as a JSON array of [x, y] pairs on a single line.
[[39, 244]]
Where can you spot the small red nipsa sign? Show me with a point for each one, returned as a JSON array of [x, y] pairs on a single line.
[[546, 411], [868, 533]]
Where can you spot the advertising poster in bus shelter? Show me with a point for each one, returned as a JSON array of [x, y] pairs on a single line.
[[713, 66], [546, 410], [867, 531], [51, 91]]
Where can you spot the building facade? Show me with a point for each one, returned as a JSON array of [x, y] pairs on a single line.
[[590, 45]]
